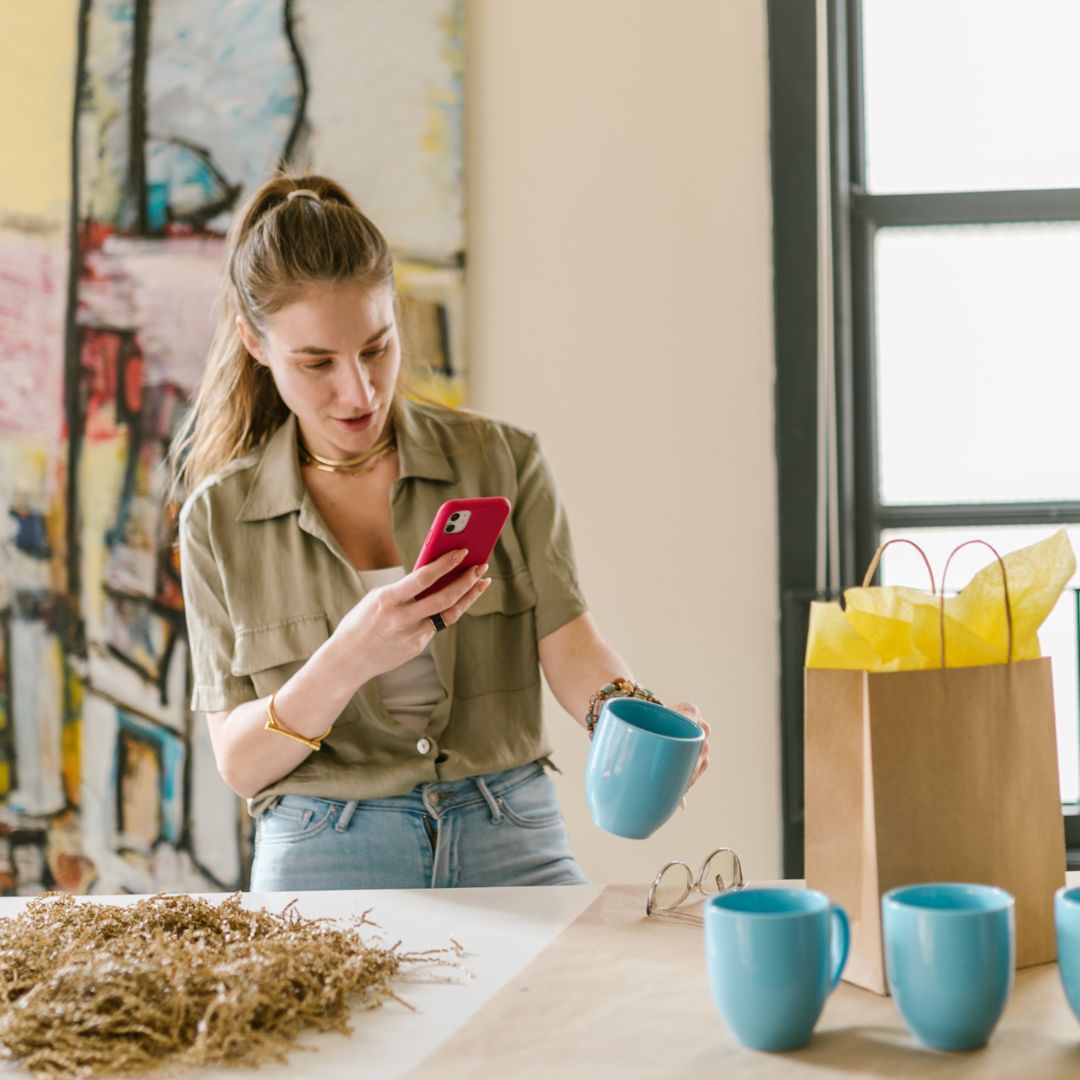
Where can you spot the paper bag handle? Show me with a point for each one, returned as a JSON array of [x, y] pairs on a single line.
[[881, 550], [1004, 582]]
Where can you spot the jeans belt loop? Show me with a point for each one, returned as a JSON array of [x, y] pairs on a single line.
[[346, 816], [493, 804]]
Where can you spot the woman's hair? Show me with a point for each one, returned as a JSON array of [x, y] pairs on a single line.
[[280, 243]]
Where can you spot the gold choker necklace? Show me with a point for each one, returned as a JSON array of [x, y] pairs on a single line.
[[356, 466]]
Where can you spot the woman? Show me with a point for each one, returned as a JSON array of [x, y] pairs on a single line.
[[375, 750]]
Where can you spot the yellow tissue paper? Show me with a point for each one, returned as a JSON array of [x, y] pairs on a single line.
[[894, 628]]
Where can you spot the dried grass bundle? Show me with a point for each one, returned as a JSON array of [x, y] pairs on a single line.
[[91, 989]]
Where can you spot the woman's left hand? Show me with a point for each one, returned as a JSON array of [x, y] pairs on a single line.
[[692, 712]]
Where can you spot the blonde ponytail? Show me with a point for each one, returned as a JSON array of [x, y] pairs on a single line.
[[278, 244]]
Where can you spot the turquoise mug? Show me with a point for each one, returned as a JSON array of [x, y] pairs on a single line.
[[1067, 921], [640, 763], [774, 956], [950, 952]]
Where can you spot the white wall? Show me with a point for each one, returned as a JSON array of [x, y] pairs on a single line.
[[620, 303]]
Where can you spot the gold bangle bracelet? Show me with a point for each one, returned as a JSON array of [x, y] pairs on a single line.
[[273, 724]]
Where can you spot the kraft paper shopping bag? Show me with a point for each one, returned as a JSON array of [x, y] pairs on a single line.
[[941, 774]]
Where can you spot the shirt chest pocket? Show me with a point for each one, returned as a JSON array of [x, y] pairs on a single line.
[[496, 650], [270, 655]]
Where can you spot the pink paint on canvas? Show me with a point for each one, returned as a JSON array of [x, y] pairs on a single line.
[[99, 359], [33, 288], [165, 290]]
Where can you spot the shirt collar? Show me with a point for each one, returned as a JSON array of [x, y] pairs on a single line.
[[421, 451], [278, 488]]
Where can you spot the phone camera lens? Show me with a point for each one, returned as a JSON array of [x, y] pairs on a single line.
[[454, 517]]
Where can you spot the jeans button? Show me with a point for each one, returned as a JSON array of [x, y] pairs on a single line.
[[423, 746]]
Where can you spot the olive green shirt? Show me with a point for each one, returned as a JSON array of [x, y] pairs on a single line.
[[265, 583]]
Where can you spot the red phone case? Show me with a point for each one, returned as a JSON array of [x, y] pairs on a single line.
[[479, 535]]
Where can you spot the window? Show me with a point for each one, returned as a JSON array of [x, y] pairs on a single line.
[[955, 207]]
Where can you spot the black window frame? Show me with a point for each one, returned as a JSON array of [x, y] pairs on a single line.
[[856, 216]]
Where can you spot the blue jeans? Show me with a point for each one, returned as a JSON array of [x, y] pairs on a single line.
[[501, 829]]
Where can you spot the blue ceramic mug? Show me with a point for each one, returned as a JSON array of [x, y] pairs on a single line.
[[640, 763], [950, 951], [774, 956], [1067, 920]]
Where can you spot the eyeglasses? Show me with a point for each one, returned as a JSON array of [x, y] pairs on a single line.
[[720, 871]]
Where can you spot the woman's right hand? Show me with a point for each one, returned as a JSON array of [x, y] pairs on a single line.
[[390, 626]]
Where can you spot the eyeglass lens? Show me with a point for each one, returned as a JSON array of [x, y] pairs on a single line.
[[722, 865], [673, 887]]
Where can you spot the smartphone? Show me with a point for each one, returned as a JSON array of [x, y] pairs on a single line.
[[463, 523]]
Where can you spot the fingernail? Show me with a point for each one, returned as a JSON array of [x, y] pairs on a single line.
[[460, 554], [484, 568], [485, 583]]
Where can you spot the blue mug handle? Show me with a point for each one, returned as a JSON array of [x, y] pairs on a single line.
[[841, 940]]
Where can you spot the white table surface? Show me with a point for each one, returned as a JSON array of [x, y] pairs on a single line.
[[618, 995], [501, 931]]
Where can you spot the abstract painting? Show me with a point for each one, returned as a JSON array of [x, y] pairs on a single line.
[[136, 129]]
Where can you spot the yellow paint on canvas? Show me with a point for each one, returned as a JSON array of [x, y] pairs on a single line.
[[70, 747], [56, 520], [32, 478], [37, 88], [432, 339], [431, 387], [445, 102], [30, 468], [71, 739], [101, 481], [5, 767]]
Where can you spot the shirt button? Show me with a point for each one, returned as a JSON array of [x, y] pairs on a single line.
[[423, 746]]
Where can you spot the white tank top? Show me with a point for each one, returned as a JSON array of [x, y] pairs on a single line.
[[409, 692]]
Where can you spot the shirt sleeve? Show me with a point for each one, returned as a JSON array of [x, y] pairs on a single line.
[[210, 631], [544, 532]]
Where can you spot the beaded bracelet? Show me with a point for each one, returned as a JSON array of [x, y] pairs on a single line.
[[618, 687], [273, 724]]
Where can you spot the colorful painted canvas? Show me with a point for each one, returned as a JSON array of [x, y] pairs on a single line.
[[132, 131]]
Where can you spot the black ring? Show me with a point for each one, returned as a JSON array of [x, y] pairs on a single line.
[[437, 619]]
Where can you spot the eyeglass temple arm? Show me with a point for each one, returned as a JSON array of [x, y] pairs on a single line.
[[737, 881]]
